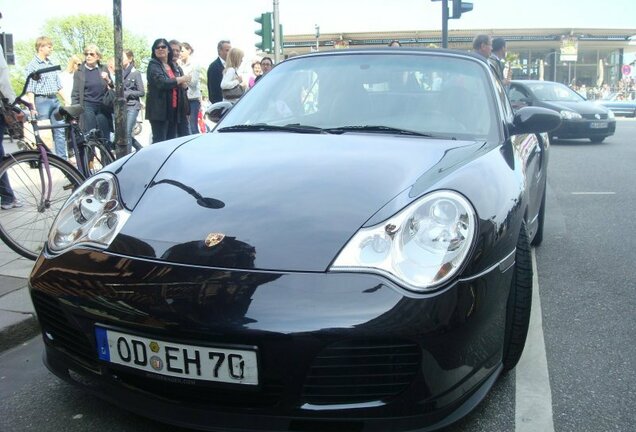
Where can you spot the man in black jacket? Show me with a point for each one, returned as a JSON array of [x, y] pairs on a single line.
[[215, 71], [497, 57]]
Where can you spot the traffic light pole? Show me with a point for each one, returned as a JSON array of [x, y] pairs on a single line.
[[277, 44], [444, 23], [459, 7]]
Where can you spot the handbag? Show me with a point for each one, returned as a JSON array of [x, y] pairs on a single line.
[[233, 93], [109, 99]]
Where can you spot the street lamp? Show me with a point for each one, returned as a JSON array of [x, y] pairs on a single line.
[[317, 35]]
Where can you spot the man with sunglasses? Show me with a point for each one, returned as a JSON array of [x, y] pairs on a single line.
[[43, 94]]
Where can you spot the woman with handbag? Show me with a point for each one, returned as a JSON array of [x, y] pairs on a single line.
[[165, 103], [93, 90], [232, 83]]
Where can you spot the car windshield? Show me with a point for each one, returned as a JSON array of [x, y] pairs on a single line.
[[411, 94], [548, 91]]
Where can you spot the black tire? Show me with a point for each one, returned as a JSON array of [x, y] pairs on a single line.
[[25, 229], [95, 156], [538, 237], [597, 140], [519, 303]]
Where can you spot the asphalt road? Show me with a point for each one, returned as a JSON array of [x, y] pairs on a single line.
[[586, 285]]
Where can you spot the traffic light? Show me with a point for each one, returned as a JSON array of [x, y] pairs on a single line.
[[6, 40], [460, 7], [265, 32]]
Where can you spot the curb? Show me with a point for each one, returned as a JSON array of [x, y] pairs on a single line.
[[17, 333]]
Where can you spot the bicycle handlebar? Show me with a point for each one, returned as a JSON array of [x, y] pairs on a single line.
[[43, 71]]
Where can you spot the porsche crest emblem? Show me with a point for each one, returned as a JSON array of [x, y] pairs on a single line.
[[214, 239]]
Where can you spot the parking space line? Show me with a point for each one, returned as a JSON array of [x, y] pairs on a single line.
[[533, 396]]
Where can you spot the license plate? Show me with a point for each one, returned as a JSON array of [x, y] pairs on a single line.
[[598, 125], [226, 365]]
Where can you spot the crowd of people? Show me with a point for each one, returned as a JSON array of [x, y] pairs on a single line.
[[624, 90], [174, 100], [171, 91]]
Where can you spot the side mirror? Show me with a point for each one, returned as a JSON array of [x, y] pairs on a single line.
[[217, 111], [535, 120]]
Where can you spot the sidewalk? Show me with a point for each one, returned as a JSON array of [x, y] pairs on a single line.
[[17, 316]]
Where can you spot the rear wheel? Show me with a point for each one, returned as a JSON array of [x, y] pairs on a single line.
[[95, 156], [25, 229], [519, 303], [597, 140]]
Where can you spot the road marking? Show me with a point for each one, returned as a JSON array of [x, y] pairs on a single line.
[[593, 193], [533, 395]]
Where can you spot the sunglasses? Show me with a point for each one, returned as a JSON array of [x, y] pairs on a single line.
[[90, 54], [161, 47]]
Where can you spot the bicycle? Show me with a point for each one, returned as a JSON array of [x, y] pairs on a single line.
[[39, 180], [90, 149]]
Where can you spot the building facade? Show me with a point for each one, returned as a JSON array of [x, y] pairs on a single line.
[[590, 57]]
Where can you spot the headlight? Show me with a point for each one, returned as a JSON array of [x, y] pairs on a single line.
[[93, 215], [570, 115], [421, 247], [610, 114]]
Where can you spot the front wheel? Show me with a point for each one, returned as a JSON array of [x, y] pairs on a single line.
[[538, 236], [519, 303], [25, 228], [597, 140]]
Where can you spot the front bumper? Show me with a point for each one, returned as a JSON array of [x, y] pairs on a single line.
[[582, 128], [427, 359]]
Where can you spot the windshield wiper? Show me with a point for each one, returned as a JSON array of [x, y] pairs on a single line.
[[382, 129], [264, 127]]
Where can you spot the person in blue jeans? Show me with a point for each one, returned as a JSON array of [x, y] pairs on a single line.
[[7, 197], [43, 94], [133, 91]]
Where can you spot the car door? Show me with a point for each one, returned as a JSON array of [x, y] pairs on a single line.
[[531, 150]]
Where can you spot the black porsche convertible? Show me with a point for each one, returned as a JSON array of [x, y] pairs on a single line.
[[349, 249]]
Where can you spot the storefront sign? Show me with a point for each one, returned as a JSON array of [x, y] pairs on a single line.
[[569, 48]]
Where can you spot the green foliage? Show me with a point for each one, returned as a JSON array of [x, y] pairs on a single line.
[[71, 34]]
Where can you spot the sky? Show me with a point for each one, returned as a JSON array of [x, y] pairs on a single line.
[[202, 23]]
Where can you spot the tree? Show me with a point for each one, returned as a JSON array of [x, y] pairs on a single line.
[[70, 35]]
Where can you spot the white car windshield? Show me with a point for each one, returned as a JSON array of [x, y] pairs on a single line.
[[438, 95]]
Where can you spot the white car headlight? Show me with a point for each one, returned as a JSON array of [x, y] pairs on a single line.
[[610, 114], [421, 247], [570, 115], [93, 215]]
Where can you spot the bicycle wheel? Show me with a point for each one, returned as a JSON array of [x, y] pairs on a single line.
[[95, 156], [25, 229]]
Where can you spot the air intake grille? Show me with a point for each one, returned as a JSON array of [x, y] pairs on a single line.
[[361, 371], [66, 336], [593, 116]]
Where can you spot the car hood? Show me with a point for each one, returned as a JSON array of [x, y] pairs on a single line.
[[279, 201], [582, 107]]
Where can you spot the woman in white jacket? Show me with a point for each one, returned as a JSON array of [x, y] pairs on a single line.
[[232, 83]]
